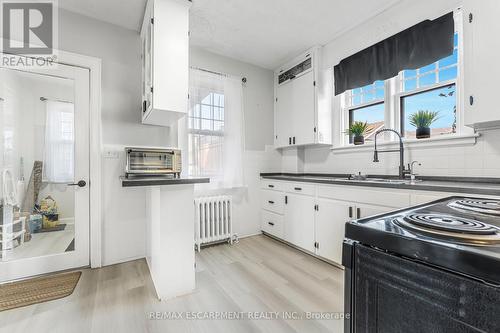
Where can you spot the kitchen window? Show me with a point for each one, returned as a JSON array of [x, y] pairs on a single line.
[[206, 135], [435, 87], [215, 129], [432, 88], [366, 104]]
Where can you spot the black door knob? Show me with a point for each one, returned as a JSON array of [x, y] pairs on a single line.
[[81, 183]]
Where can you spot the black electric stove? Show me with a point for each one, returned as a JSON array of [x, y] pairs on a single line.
[[443, 258]]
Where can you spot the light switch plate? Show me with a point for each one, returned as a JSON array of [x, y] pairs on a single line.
[[111, 154]]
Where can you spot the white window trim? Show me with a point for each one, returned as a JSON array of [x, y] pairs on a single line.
[[393, 95]]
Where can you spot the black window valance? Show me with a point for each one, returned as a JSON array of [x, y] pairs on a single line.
[[412, 48]]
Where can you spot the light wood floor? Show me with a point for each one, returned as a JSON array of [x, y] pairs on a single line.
[[256, 275], [44, 244]]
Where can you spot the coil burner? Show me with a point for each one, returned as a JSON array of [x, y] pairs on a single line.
[[453, 228], [487, 207]]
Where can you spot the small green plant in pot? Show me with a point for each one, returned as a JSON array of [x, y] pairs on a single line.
[[422, 120], [358, 130]]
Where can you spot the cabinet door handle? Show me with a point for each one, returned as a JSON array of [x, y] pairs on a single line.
[[293, 140], [290, 140], [271, 202], [298, 189], [270, 223], [270, 186], [471, 100], [358, 213], [286, 199], [350, 212]]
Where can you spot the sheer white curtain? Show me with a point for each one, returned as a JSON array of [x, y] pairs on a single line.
[[59, 145], [215, 129]]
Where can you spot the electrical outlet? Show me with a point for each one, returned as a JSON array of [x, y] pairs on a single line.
[[111, 154]]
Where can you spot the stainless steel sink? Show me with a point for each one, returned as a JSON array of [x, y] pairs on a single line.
[[374, 180], [363, 180]]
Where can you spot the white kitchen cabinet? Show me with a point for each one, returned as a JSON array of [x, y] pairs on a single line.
[[302, 116], [363, 210], [165, 61], [481, 47], [283, 115], [330, 220], [298, 95], [299, 220], [272, 223]]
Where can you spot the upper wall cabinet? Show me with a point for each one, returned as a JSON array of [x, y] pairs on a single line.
[[303, 102], [165, 61], [481, 47]]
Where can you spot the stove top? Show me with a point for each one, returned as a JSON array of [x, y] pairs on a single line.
[[462, 234]]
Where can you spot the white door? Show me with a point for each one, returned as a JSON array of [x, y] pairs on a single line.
[[481, 47], [44, 127], [331, 218], [303, 109], [299, 221], [363, 210], [284, 117]]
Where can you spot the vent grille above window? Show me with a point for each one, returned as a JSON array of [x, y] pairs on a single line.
[[295, 71]]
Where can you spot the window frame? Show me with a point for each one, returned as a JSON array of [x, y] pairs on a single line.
[[400, 98], [347, 111], [358, 107], [394, 94], [192, 132]]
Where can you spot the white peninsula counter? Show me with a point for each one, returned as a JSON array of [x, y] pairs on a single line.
[[170, 233]]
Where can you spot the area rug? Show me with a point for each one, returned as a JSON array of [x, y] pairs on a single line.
[[37, 290]]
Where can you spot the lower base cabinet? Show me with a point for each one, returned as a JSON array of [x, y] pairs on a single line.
[[331, 217], [272, 223], [313, 218], [299, 217]]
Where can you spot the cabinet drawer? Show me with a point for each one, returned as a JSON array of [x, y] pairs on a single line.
[[273, 201], [269, 184], [300, 188], [380, 197], [272, 224]]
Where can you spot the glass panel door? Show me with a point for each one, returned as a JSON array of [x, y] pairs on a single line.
[[44, 171]]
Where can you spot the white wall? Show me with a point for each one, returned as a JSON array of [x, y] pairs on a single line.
[[258, 94], [481, 159], [259, 128], [123, 209]]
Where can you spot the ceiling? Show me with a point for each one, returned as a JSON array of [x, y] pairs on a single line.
[[261, 32], [124, 13]]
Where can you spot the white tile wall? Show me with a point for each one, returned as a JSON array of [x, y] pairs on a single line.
[[480, 160]]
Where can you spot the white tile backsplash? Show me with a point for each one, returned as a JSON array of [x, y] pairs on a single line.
[[479, 160]]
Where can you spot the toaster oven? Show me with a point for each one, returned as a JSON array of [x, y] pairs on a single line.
[[145, 161]]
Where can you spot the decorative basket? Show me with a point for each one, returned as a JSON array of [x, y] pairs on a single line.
[[48, 208]]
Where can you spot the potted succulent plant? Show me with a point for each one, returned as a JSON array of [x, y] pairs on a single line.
[[358, 130], [422, 120]]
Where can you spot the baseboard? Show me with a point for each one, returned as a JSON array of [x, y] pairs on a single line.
[[250, 235], [303, 251], [121, 261]]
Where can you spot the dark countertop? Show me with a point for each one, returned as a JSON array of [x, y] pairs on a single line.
[[157, 181], [479, 185]]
